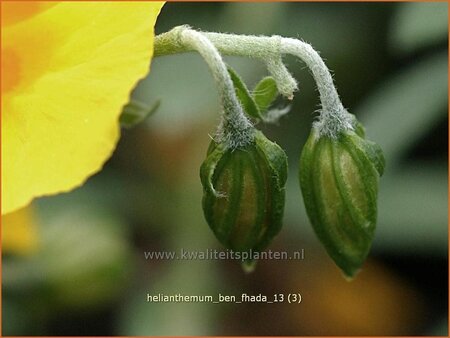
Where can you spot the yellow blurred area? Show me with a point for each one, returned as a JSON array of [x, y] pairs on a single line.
[[20, 232], [376, 302]]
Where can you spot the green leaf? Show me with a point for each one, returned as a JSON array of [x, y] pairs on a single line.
[[264, 93], [135, 112], [247, 101]]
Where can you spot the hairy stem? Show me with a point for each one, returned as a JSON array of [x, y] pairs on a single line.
[[235, 129], [333, 117]]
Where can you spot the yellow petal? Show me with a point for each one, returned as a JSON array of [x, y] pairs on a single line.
[[13, 12], [67, 70], [19, 232]]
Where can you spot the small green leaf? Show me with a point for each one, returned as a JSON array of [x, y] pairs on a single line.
[[264, 93], [247, 101], [358, 127], [135, 112], [375, 154], [214, 154]]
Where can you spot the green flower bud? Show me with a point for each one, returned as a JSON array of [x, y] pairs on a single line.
[[339, 181], [243, 193]]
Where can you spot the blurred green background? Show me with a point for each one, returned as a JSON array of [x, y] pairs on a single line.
[[89, 275]]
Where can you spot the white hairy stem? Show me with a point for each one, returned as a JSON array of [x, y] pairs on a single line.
[[333, 117], [235, 129]]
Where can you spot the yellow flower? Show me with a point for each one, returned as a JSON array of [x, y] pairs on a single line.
[[67, 69]]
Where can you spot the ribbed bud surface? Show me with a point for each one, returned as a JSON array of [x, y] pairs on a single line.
[[339, 181], [243, 199]]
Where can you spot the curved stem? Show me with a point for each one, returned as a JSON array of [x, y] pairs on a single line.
[[267, 49], [235, 129], [333, 117]]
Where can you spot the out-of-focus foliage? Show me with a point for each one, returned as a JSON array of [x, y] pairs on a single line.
[[390, 66], [400, 113], [83, 262], [419, 25]]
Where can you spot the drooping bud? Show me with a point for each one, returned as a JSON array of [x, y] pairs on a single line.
[[243, 193], [339, 182]]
